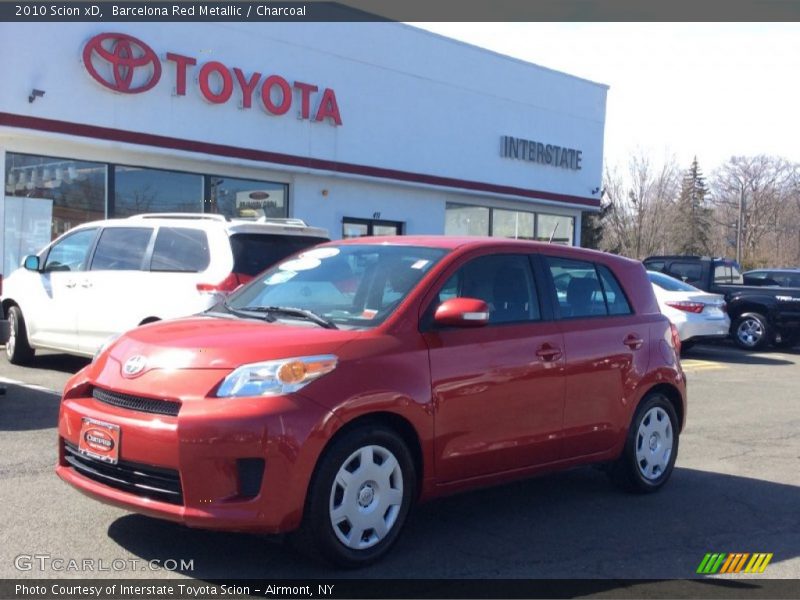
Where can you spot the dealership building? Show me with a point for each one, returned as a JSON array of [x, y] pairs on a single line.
[[360, 128]]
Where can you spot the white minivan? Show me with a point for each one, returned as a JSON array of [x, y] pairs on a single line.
[[105, 277]]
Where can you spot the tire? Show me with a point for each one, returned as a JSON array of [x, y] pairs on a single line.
[[351, 492], [751, 331], [18, 350], [651, 447]]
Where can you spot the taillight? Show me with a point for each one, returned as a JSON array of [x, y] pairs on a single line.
[[230, 283], [676, 339], [686, 306]]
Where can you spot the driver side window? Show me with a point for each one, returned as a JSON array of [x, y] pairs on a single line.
[[503, 281], [70, 253]]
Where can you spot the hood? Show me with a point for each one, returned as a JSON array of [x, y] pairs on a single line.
[[222, 343]]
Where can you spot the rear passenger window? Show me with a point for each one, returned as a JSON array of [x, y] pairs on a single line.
[[504, 282], [578, 288], [254, 252], [690, 273], [180, 249], [121, 249], [616, 301]]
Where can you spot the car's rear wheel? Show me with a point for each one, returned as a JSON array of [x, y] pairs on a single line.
[[651, 446], [751, 332], [18, 350], [359, 498]]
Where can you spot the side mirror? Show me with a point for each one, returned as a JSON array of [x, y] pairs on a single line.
[[462, 312], [31, 263]]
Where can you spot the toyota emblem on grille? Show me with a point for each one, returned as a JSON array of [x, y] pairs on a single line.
[[121, 63], [134, 366]]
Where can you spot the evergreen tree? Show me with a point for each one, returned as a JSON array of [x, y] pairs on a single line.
[[692, 221], [592, 227]]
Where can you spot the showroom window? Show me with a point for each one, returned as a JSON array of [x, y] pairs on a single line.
[[138, 190], [44, 197], [556, 228], [512, 224], [463, 219], [248, 198]]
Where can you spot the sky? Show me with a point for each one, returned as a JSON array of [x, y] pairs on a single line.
[[711, 90]]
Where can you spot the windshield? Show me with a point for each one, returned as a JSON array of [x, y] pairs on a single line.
[[665, 282], [349, 285]]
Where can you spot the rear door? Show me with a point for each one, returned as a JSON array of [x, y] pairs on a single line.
[[605, 348], [114, 287], [498, 389]]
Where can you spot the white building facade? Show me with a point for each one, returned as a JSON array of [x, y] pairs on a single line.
[[363, 129]]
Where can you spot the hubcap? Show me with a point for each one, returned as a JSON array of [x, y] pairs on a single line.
[[366, 497], [654, 443], [750, 332]]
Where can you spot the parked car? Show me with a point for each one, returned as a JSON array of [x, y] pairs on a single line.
[[759, 315], [773, 277], [346, 383], [105, 277], [698, 315]]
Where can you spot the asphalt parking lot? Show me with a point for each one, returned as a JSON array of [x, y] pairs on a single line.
[[736, 488]]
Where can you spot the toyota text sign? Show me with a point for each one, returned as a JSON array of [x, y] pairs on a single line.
[[125, 64]]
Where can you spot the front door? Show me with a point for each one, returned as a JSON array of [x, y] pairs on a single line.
[[498, 389]]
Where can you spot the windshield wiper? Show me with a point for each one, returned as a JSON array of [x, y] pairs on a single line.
[[289, 311]]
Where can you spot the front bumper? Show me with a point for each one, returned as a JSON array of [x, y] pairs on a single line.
[[235, 463]]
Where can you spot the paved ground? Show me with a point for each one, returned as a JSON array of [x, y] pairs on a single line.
[[736, 489]]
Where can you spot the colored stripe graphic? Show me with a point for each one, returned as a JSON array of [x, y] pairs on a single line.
[[720, 562]]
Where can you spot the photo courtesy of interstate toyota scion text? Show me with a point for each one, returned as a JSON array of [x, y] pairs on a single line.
[[354, 379]]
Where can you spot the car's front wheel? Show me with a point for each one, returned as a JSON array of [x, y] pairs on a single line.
[[18, 351], [751, 331], [651, 446], [359, 498]]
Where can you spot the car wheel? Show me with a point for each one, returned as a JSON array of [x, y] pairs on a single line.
[[751, 332], [18, 350], [650, 448], [359, 498]]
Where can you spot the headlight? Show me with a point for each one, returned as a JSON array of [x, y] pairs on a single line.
[[276, 377], [108, 341]]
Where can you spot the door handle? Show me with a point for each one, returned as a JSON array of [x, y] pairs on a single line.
[[548, 353], [71, 284], [86, 284], [633, 341]]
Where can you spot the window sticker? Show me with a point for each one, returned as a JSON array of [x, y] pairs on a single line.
[[279, 277], [420, 264], [369, 313], [320, 253], [300, 264]]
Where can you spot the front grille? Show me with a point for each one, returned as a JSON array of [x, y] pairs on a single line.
[[146, 405], [146, 481]]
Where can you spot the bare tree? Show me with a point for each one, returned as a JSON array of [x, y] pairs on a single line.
[[636, 223], [750, 195]]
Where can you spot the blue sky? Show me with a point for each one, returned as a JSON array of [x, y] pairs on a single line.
[[676, 89]]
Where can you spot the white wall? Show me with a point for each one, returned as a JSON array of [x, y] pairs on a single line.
[[409, 100]]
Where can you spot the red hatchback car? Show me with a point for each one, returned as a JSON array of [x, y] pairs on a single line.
[[356, 378]]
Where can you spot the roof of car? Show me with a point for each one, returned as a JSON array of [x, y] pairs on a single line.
[[204, 220], [452, 242], [767, 270]]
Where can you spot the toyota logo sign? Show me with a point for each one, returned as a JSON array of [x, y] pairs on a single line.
[[121, 63], [134, 366]]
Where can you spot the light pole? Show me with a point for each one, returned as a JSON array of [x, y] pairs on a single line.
[[739, 226]]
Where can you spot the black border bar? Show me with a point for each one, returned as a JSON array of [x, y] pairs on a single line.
[[334, 589], [404, 10]]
